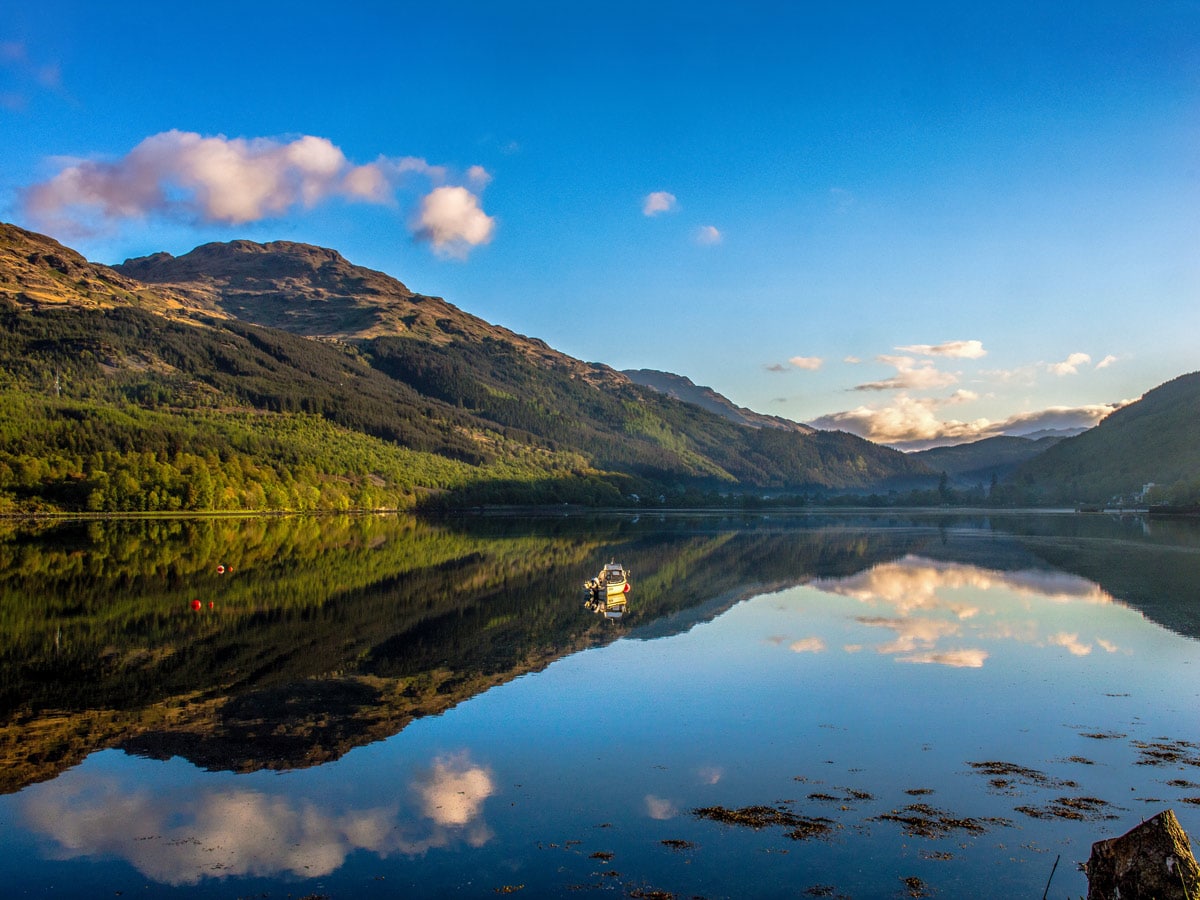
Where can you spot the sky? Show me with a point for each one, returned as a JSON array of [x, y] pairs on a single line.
[[923, 223]]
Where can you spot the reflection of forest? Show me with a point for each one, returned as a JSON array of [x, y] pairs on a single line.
[[327, 633]]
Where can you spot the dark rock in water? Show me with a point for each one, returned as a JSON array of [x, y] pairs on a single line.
[[1153, 860]]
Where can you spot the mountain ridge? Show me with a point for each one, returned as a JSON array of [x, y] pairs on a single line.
[[316, 292], [683, 388], [272, 332]]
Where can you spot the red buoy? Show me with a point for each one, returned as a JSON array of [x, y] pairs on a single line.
[[626, 587], [220, 570], [211, 604], [196, 604]]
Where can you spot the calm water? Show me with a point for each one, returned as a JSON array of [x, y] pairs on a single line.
[[381, 707]]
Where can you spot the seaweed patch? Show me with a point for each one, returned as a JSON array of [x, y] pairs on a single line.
[[758, 817], [1083, 809], [923, 820]]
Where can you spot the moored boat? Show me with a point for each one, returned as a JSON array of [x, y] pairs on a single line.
[[613, 581]]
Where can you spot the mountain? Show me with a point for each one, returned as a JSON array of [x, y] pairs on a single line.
[[315, 292], [977, 463], [683, 388], [1053, 433], [252, 376], [1151, 441], [38, 272]]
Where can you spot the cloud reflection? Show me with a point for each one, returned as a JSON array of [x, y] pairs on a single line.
[[185, 834], [927, 604], [808, 645], [958, 659], [660, 809]]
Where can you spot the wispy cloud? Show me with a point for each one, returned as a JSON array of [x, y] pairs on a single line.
[[27, 76], [806, 363], [911, 374], [658, 202], [708, 235], [955, 349], [479, 176], [185, 176], [1106, 362]]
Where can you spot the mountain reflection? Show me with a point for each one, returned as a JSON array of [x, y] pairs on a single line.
[[183, 834], [318, 635], [943, 612]]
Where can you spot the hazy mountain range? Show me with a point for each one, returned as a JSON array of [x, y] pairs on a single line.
[[285, 376]]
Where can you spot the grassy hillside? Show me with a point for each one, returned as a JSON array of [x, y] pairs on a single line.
[[119, 396], [1155, 440]]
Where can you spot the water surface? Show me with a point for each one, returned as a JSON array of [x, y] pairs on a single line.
[[787, 706]]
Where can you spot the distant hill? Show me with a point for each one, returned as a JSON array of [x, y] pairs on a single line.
[[280, 375], [682, 388], [1053, 433], [978, 462], [1154, 440]]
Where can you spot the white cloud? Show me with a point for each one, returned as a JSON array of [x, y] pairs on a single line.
[[914, 423], [452, 221], [852, 360], [906, 419], [809, 363], [1069, 366], [1106, 362], [658, 202], [708, 235], [955, 349], [185, 176]]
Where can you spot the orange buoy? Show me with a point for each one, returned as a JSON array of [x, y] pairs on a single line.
[[196, 604]]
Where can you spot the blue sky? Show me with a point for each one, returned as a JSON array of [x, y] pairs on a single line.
[[918, 221]]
